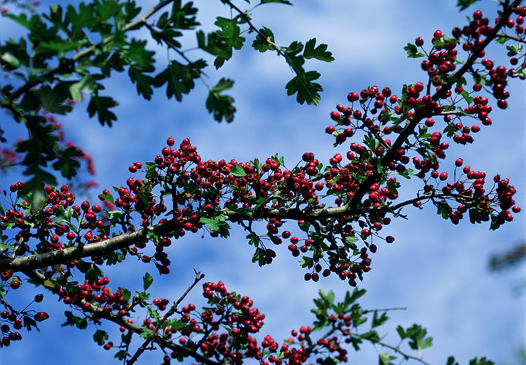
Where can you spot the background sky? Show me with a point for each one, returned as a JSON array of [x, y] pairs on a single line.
[[437, 270]]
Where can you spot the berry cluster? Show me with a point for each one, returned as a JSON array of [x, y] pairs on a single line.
[[237, 314], [416, 109], [17, 320]]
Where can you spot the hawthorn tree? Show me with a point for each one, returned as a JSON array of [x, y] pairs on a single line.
[[51, 240]]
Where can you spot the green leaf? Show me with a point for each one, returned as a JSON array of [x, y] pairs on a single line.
[[87, 83], [153, 313], [146, 332], [329, 297], [356, 294], [464, 4], [144, 82], [72, 320], [293, 58], [126, 294], [114, 257], [222, 42], [229, 33], [307, 262], [100, 105], [100, 337], [502, 40], [15, 53], [183, 17], [32, 23], [349, 242], [107, 197], [91, 270], [482, 361], [33, 190], [474, 216], [451, 361], [259, 257], [469, 99], [11, 60], [143, 295], [307, 90], [385, 359], [443, 210], [67, 163], [221, 105], [237, 171], [378, 321], [521, 72], [319, 53], [121, 355], [147, 280], [417, 334], [217, 224], [4, 247], [116, 216], [412, 51], [179, 78], [445, 40], [264, 40], [29, 322], [514, 49], [62, 45], [371, 336], [52, 99]]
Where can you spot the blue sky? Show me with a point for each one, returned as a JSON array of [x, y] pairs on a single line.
[[437, 270]]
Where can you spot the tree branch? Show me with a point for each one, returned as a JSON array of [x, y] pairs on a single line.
[[39, 261]]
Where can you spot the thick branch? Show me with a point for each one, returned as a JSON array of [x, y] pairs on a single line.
[[39, 261]]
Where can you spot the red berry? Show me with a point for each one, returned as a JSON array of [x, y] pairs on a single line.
[[330, 129], [353, 96], [41, 316], [389, 239], [419, 42]]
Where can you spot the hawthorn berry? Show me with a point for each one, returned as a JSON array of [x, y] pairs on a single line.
[[41, 316]]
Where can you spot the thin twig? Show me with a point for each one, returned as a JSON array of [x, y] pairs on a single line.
[[161, 320], [406, 356], [247, 20]]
